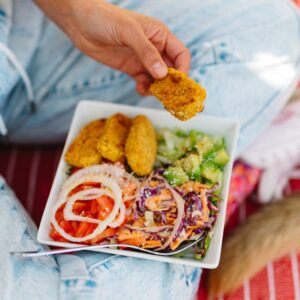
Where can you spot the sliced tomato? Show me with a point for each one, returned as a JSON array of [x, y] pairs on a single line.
[[82, 228], [74, 225], [106, 205], [66, 226], [80, 206], [56, 236], [91, 228], [94, 207], [59, 216]]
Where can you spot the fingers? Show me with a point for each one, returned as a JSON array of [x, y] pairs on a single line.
[[146, 52], [143, 82], [178, 53]]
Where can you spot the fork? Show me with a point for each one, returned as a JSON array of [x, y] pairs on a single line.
[[180, 249]]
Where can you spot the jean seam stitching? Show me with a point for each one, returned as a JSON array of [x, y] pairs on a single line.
[[91, 85], [76, 277], [99, 264]]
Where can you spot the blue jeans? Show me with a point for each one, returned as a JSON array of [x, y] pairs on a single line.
[[244, 52]]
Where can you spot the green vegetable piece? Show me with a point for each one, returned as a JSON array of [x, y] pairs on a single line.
[[175, 176], [191, 166], [195, 136], [211, 172], [207, 242], [221, 157], [205, 146], [219, 142]]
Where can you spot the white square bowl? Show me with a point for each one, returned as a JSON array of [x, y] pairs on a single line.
[[87, 111]]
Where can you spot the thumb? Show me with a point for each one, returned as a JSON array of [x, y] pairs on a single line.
[[148, 55]]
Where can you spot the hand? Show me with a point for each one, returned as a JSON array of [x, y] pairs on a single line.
[[138, 45]]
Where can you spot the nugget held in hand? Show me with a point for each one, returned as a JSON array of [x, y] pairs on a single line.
[[141, 146], [112, 142], [181, 96], [83, 150]]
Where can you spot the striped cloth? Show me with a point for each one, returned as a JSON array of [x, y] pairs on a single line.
[[30, 171]]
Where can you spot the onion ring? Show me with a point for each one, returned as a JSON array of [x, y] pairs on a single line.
[[180, 214], [152, 229], [69, 185], [119, 219], [68, 213]]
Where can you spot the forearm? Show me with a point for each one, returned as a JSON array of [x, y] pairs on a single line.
[[135, 44], [58, 11]]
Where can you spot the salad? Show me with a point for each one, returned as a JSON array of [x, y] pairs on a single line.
[[176, 202]]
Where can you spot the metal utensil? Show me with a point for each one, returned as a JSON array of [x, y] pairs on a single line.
[[95, 247]]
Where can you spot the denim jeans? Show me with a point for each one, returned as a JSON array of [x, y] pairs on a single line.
[[245, 53]]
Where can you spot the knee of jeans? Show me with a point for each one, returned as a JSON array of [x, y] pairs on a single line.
[[167, 281], [258, 38]]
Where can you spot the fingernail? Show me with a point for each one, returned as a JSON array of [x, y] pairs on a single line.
[[159, 70]]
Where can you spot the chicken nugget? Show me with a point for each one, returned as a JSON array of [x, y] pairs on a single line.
[[141, 146], [181, 96], [112, 143], [83, 150]]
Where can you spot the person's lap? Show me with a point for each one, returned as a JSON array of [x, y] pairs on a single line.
[[245, 53], [86, 275]]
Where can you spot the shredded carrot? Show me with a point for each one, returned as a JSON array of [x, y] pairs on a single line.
[[108, 232], [137, 241], [174, 245], [205, 212], [152, 244]]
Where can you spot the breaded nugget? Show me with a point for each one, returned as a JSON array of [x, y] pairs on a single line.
[[141, 146], [112, 143], [181, 96], [83, 150]]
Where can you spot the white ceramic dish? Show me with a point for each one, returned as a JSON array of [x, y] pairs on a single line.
[[87, 111]]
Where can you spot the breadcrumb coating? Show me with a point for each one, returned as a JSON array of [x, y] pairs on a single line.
[[111, 144], [83, 150], [181, 96], [141, 146]]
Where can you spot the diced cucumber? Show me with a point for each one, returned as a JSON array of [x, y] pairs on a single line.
[[181, 133], [219, 142], [191, 166], [176, 176], [205, 146], [207, 242], [221, 157], [195, 136], [211, 172]]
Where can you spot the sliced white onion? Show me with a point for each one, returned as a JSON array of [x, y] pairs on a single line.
[[153, 229], [122, 183], [74, 181], [104, 169], [180, 215], [196, 213], [120, 218], [114, 171], [149, 217], [125, 199]]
